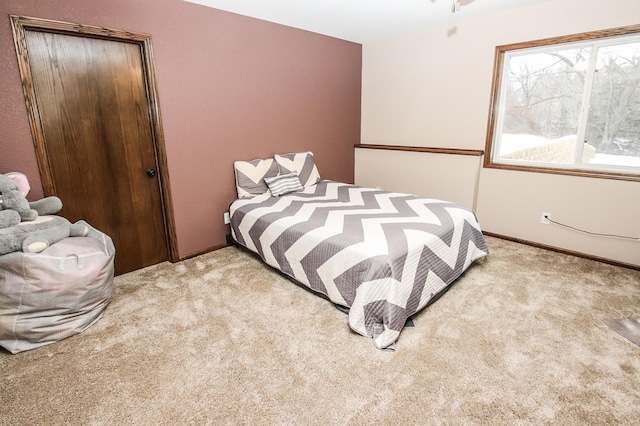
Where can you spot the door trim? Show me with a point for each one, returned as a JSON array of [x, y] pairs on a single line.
[[21, 24]]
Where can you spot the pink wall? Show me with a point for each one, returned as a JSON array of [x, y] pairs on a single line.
[[230, 88]]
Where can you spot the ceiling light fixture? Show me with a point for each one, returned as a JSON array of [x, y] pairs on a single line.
[[457, 4]]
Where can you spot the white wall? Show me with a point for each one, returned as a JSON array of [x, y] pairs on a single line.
[[432, 88], [422, 173]]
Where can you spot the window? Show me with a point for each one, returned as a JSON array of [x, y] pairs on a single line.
[[568, 105]]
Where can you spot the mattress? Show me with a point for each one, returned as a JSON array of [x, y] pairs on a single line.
[[384, 255]]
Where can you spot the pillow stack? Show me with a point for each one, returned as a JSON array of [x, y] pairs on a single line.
[[276, 176]]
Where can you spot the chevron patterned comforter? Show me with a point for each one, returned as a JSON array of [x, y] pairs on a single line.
[[384, 255]]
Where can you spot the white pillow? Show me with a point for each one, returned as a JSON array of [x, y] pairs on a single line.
[[302, 164], [250, 176], [283, 184]]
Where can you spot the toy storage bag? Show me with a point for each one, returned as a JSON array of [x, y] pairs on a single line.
[[62, 291]]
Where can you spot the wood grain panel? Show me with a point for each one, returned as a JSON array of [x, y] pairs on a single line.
[[452, 151], [96, 127]]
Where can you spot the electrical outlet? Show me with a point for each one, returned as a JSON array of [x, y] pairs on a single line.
[[227, 219], [545, 218]]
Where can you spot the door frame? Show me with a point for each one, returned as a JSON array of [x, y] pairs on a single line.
[[21, 24]]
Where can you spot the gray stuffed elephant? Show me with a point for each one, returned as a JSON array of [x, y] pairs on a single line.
[[14, 207], [37, 235], [31, 226]]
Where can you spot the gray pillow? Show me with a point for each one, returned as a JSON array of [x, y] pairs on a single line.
[[300, 163], [283, 184], [250, 176]]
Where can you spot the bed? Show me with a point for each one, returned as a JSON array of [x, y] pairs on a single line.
[[384, 255]]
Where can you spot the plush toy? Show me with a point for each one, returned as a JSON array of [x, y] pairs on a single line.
[[38, 234], [12, 200], [31, 226]]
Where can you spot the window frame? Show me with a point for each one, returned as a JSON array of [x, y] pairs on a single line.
[[494, 116]]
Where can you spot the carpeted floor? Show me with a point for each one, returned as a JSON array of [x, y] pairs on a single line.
[[221, 339]]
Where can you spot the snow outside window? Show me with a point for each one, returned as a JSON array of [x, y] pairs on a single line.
[[569, 105]]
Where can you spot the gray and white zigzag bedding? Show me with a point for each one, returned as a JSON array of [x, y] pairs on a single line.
[[384, 255]]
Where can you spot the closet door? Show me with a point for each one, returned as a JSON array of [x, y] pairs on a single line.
[[96, 126]]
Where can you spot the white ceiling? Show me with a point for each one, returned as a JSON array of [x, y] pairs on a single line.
[[362, 21]]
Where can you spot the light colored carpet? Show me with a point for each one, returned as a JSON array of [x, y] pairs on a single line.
[[221, 339]]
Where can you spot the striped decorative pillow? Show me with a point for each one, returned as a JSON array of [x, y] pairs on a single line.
[[283, 184], [302, 164], [250, 176]]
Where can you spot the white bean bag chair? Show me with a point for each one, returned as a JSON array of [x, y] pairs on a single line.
[[62, 291]]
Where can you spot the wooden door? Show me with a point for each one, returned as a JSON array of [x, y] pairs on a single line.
[[96, 125]]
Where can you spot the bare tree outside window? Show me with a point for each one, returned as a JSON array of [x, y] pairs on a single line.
[[614, 115], [569, 105]]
